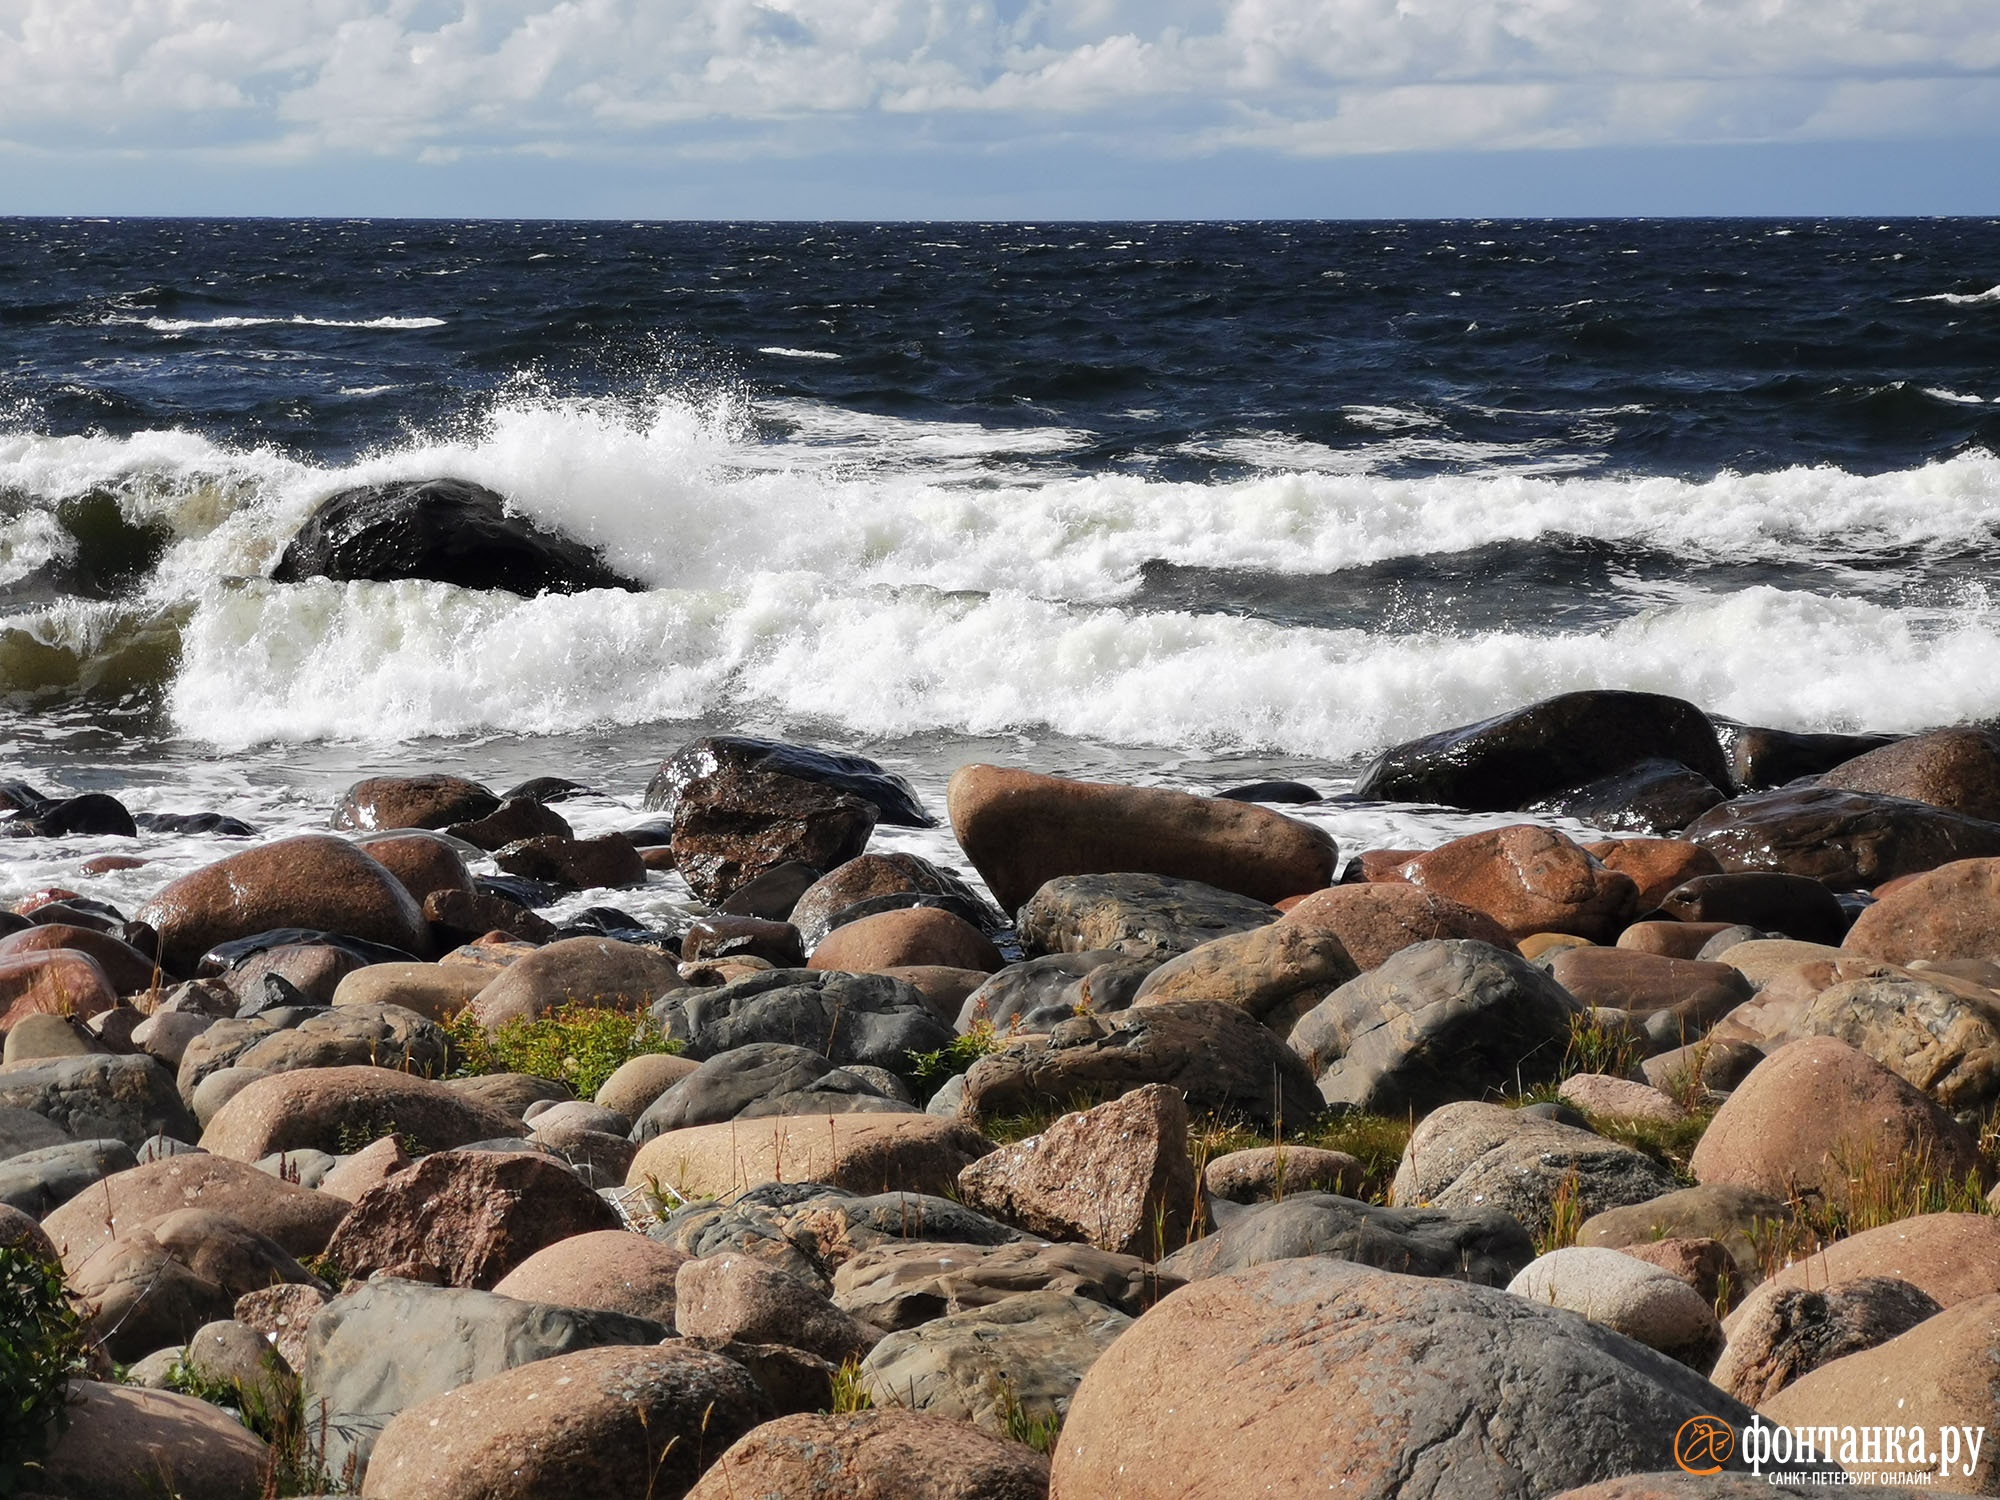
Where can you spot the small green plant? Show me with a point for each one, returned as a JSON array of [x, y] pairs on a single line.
[[42, 1344], [1596, 1047], [1037, 1432], [850, 1390], [579, 1045], [932, 1069], [274, 1409], [359, 1135], [1565, 1216]]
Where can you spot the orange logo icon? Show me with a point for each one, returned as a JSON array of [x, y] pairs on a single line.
[[1703, 1445]]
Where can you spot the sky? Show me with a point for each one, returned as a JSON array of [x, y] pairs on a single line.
[[999, 108]]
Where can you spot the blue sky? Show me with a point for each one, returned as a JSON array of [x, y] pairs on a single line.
[[999, 108]]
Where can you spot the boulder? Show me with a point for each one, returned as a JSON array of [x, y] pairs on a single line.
[[1438, 1022], [865, 1153], [737, 814], [1950, 1257], [124, 1443], [777, 943], [1656, 866], [358, 1373], [361, 1034], [871, 876], [761, 1078], [1940, 1375], [238, 1358], [609, 860], [894, 939], [1021, 831], [52, 982], [38, 1182], [1271, 1173], [848, 1018], [125, 968], [433, 991], [1024, 1355], [1760, 759], [1034, 995], [456, 917], [515, 819], [611, 1422], [1220, 1059], [1741, 1220], [1817, 1117], [1956, 769], [1951, 912], [739, 1297], [1849, 840], [24, 1130], [1276, 973], [1326, 1376], [99, 1097], [1375, 921], [1147, 915], [512, 1093], [1650, 797], [1473, 1244], [40, 1036], [885, 1454], [444, 530], [1792, 905], [1528, 754], [1942, 1038], [607, 1270], [313, 969], [1704, 1265], [312, 881], [638, 1081], [282, 1314], [466, 1218], [1609, 1098], [1473, 1155], [1644, 1302], [734, 755], [370, 1167], [590, 971], [1117, 1176], [1683, 940], [335, 1109], [297, 1219], [1529, 879], [425, 864], [1783, 1332], [1678, 998], [903, 1284]]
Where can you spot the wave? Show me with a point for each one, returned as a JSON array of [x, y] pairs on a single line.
[[192, 325], [783, 353], [1963, 299]]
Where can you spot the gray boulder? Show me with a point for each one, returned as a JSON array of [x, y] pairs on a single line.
[[1438, 1022], [1479, 1244], [1032, 995], [902, 1284], [1143, 915], [24, 1130], [760, 1079], [38, 1182], [847, 1018], [100, 1097]]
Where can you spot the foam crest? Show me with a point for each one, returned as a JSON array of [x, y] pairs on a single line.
[[197, 325]]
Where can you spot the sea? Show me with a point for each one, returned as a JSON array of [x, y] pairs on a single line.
[[1174, 504]]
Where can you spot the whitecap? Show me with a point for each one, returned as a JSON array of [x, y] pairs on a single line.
[[783, 353]]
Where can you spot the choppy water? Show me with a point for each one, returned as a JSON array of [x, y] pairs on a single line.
[[1165, 502]]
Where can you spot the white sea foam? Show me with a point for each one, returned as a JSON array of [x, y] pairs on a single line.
[[783, 353], [191, 325], [1963, 299]]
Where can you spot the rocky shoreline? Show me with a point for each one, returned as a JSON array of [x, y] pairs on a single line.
[[1162, 1153]]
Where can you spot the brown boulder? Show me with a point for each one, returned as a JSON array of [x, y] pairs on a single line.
[[1117, 1176], [1375, 922], [609, 1270], [1265, 1174], [124, 1443], [1949, 1257], [466, 1218], [737, 821], [299, 1219], [128, 970], [383, 802], [1276, 973], [457, 917], [718, 937], [863, 879], [898, 939], [599, 972], [282, 1314], [1850, 840], [612, 1422], [1956, 769], [425, 865], [1941, 1376], [738, 1297], [1671, 939], [336, 1109], [1529, 879], [1951, 912], [641, 1080], [1818, 1117], [885, 1454], [52, 982], [434, 991], [1021, 830], [609, 860], [311, 881], [1782, 1332], [1697, 994], [513, 820], [367, 1168], [1770, 900], [1656, 866], [1704, 1264], [865, 1153]]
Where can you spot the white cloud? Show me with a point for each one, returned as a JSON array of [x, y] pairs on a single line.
[[434, 79]]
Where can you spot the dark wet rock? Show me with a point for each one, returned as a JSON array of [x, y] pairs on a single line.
[[512, 821], [1475, 1244], [777, 943], [1437, 1022], [444, 530], [1293, 792], [773, 895], [1518, 758], [218, 824], [1218, 1055], [1651, 797], [730, 1085], [1150, 915], [734, 821], [1763, 759], [1769, 900], [848, 1018], [546, 789], [522, 892], [457, 917], [238, 957], [575, 864], [1848, 840], [1956, 769], [91, 814], [382, 803], [732, 756]]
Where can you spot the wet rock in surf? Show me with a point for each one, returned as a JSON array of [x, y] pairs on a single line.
[[1850, 840], [219, 824], [444, 530], [735, 818], [1956, 769], [389, 802], [1021, 830], [738, 757], [873, 875], [93, 813], [575, 864], [515, 819], [1760, 759], [1531, 754], [313, 881], [1765, 899], [1654, 796], [1530, 880]]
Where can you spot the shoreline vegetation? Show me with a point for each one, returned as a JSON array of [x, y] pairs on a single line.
[[1159, 1143]]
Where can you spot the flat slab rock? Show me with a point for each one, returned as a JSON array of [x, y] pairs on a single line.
[[1153, 916], [1483, 1245]]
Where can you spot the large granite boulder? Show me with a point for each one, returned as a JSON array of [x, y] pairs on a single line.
[[1153, 916], [1956, 769], [1470, 1244], [1377, 920], [1529, 879], [866, 1019], [883, 1454], [1849, 840], [122, 1098]]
